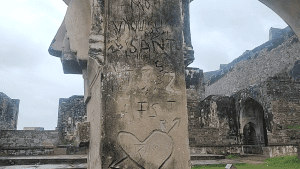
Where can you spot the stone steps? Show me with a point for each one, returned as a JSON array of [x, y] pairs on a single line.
[[206, 156], [47, 166]]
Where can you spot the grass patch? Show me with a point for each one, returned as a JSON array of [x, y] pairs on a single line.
[[284, 162]]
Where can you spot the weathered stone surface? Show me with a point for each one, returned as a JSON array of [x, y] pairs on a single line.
[[194, 84], [34, 128], [140, 85], [71, 112], [187, 45], [59, 151], [27, 138], [277, 151], [275, 33], [9, 111], [83, 133]]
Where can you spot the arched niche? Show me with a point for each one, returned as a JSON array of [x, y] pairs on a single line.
[[252, 114]]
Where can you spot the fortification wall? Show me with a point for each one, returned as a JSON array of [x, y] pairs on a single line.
[[258, 69]]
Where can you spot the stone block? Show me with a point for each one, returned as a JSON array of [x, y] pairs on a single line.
[[83, 133], [36, 141], [60, 151], [22, 152], [47, 144]]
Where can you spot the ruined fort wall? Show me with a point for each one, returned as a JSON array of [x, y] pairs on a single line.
[[213, 123], [9, 111], [256, 70]]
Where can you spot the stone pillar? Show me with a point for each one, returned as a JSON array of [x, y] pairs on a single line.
[[9, 112], [142, 87]]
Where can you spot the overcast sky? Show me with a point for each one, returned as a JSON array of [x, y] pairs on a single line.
[[221, 31]]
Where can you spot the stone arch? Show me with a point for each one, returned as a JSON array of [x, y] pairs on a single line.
[[252, 113], [288, 10]]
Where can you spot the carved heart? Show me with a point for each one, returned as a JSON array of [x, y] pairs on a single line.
[[151, 153]]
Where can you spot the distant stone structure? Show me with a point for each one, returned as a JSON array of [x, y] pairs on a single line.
[[34, 128], [71, 111], [9, 111]]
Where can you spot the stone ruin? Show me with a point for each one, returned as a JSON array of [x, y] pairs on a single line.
[[71, 112], [144, 107], [134, 55], [251, 105], [9, 111]]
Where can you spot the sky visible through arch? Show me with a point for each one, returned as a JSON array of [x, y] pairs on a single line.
[[221, 31]]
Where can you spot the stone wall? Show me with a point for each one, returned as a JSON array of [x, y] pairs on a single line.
[[213, 122], [26, 142], [28, 138], [9, 111], [71, 112], [285, 107]]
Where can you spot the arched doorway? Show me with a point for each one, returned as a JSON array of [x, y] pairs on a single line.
[[253, 128], [249, 134]]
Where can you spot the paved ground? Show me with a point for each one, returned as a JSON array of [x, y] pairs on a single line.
[[50, 162], [253, 159], [60, 166], [250, 159]]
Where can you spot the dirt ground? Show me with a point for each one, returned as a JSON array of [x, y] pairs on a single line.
[[253, 159]]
